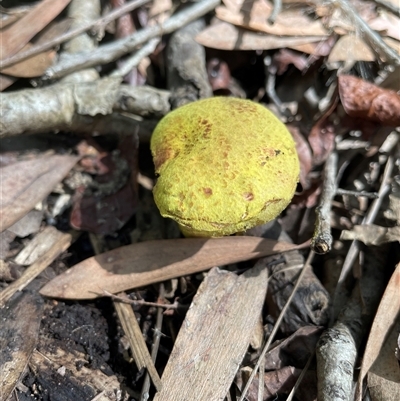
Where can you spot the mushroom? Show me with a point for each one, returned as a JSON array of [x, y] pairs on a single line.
[[224, 165]]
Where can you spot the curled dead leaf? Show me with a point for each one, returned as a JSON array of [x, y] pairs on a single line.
[[366, 100]]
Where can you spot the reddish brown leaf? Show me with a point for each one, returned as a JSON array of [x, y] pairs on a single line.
[[366, 100], [26, 183], [14, 38], [150, 262]]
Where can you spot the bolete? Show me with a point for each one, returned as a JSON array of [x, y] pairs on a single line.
[[224, 165]]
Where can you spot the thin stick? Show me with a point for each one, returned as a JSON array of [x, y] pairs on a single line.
[[322, 238], [370, 195], [368, 219], [275, 12], [139, 302], [301, 377], [116, 13], [155, 346], [136, 58], [374, 39], [390, 6], [277, 324], [112, 51]]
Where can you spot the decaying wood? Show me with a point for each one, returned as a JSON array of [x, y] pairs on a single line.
[[186, 70], [59, 370], [338, 346], [151, 262], [138, 345], [40, 244], [62, 243], [57, 107], [214, 336], [18, 338]]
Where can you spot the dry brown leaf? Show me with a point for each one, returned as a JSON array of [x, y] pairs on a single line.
[[33, 66], [293, 350], [214, 336], [371, 234], [368, 101], [386, 315], [144, 263], [280, 382], [6, 81], [387, 24], [15, 37], [28, 182], [351, 47], [254, 15], [36, 65], [10, 15], [225, 36]]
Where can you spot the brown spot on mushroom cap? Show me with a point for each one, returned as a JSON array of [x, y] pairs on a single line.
[[248, 196], [207, 192]]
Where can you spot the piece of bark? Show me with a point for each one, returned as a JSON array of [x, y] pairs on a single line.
[[148, 262], [186, 70], [39, 245], [337, 348], [214, 336], [137, 343], [19, 334]]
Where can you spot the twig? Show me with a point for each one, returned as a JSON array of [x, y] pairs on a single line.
[[370, 195], [155, 346], [110, 52], [301, 377], [136, 58], [140, 302], [138, 345], [390, 6], [275, 12], [374, 39], [116, 13], [369, 219], [338, 346], [277, 324], [322, 238]]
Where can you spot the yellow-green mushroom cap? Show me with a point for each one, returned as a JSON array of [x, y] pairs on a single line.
[[224, 165]]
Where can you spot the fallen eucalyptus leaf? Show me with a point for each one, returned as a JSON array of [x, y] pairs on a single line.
[[150, 262], [25, 183]]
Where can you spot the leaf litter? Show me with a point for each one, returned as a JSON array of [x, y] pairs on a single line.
[[337, 90]]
